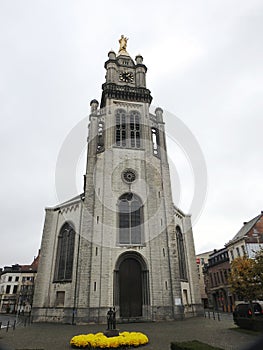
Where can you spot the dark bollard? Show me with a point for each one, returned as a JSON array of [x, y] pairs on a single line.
[[7, 326], [209, 314], [0, 326], [214, 317], [14, 325], [218, 316]]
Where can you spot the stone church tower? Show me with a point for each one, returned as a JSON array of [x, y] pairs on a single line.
[[122, 242]]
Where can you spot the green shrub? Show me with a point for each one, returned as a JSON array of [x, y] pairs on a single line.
[[192, 345]]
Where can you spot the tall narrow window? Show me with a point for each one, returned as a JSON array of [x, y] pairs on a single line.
[[130, 219], [128, 129], [120, 137], [155, 142], [181, 254], [100, 137], [238, 251], [60, 299], [65, 253], [185, 297], [135, 129]]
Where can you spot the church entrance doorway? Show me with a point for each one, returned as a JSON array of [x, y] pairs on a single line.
[[130, 288]]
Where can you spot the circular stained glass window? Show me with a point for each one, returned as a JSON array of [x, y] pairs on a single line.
[[129, 175]]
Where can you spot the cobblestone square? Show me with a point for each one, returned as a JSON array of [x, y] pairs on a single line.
[[47, 336]]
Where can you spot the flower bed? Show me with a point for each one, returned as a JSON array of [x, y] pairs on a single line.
[[100, 341]]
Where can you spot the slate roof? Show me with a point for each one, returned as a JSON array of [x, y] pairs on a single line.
[[245, 229]]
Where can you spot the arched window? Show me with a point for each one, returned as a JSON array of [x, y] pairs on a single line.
[[65, 253], [100, 137], [135, 129], [156, 142], [121, 132], [130, 212], [128, 129], [181, 254]]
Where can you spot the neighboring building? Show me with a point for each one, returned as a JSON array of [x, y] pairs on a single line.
[[17, 287], [122, 242], [201, 262], [248, 240], [216, 279]]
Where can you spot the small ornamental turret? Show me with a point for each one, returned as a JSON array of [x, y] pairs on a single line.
[[94, 106], [159, 114]]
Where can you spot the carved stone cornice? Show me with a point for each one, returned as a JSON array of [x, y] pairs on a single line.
[[127, 105], [129, 93]]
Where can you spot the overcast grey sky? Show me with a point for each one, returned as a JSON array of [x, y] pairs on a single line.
[[204, 62]]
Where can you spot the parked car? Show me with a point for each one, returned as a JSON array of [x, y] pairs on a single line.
[[244, 310]]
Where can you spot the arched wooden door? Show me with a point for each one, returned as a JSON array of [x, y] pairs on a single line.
[[130, 284]]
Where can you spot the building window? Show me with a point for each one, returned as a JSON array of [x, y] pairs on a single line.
[[9, 278], [60, 299], [218, 278], [215, 279], [181, 253], [185, 297], [155, 142], [17, 278], [135, 136], [120, 128], [65, 253], [232, 254], [130, 211], [225, 275], [15, 289], [238, 251], [222, 277], [100, 137], [7, 291], [128, 175], [211, 279], [128, 129]]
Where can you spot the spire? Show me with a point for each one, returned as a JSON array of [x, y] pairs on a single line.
[[123, 46]]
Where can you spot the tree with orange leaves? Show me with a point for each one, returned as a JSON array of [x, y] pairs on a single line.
[[242, 278], [246, 277], [258, 268]]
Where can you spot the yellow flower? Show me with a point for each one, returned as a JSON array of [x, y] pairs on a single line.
[[99, 340]]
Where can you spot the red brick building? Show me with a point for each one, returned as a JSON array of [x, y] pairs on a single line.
[[217, 287]]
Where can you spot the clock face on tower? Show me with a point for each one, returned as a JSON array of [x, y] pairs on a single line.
[[126, 77]]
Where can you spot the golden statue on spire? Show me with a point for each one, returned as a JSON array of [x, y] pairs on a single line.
[[123, 45]]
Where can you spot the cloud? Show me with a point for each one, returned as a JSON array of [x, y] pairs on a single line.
[[204, 64]]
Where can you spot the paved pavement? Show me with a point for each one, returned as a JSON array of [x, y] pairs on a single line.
[[46, 336]]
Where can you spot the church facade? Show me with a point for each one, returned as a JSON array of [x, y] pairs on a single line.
[[122, 242]]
